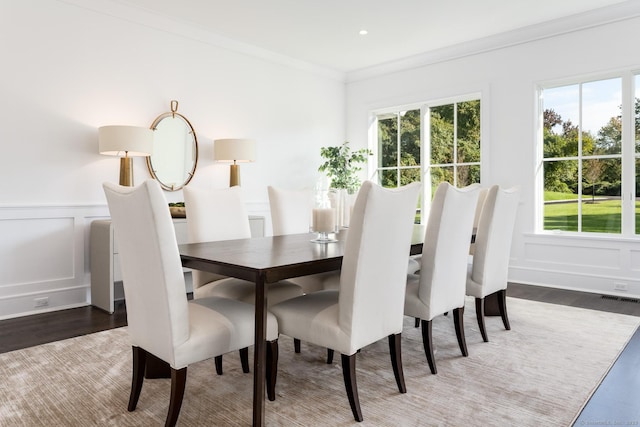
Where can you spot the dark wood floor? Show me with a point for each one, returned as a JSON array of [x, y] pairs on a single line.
[[614, 403]]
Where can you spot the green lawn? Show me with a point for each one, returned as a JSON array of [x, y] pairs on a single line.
[[599, 217]]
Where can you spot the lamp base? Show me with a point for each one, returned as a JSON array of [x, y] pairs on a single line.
[[126, 171], [234, 175]]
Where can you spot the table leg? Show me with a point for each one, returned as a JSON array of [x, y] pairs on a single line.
[[260, 355]]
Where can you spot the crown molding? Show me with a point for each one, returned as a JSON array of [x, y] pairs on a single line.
[[602, 16]]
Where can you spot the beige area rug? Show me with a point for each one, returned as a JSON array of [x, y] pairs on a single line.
[[538, 374]]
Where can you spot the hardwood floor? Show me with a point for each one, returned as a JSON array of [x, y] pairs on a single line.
[[614, 403]]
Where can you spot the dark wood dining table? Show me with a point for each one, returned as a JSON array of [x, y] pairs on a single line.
[[265, 260]]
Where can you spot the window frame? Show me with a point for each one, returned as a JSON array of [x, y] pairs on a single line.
[[627, 154]]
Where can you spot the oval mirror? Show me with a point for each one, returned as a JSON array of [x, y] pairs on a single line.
[[175, 150]]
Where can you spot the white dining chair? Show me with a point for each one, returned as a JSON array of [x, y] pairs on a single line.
[[440, 286], [220, 214], [161, 322], [291, 214], [489, 267], [369, 303], [482, 196]]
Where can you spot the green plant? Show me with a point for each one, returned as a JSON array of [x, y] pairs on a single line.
[[341, 165]]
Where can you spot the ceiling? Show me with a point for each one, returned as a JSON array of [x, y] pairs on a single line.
[[326, 32]]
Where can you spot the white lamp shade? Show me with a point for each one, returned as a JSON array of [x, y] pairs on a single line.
[[118, 140], [238, 150]]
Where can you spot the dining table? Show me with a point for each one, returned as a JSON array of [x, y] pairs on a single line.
[[265, 260]]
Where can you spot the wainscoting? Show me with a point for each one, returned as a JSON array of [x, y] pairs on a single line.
[[44, 256], [44, 259], [598, 264], [44, 253]]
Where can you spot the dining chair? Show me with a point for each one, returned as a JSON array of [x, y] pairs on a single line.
[[368, 305], [440, 286], [489, 268], [220, 214], [161, 322], [482, 196], [291, 214]]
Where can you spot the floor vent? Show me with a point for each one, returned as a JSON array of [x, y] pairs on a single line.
[[615, 298]]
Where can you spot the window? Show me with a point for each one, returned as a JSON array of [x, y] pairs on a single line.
[[584, 154], [445, 135], [454, 141]]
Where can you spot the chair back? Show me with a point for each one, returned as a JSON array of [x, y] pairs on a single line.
[[213, 215], [157, 312], [374, 266], [443, 270], [493, 239], [290, 210], [482, 195]]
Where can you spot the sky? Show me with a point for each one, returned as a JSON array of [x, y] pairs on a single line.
[[601, 100]]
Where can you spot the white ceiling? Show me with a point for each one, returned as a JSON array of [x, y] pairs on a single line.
[[325, 32]]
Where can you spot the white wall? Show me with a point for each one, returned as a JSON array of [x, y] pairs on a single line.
[[507, 79], [69, 67]]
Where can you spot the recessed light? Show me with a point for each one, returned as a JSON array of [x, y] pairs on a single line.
[[363, 32]]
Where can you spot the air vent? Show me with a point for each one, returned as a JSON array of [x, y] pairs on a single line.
[[615, 298]]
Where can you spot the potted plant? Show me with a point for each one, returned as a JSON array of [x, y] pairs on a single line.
[[341, 166]]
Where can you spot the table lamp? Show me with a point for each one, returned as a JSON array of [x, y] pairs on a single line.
[[126, 142], [234, 150]]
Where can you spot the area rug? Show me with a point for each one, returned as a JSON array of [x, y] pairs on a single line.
[[538, 374]]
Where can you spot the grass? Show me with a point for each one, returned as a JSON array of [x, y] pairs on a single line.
[[599, 217]]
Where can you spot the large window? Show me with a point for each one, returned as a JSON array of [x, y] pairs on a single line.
[[586, 143], [429, 143]]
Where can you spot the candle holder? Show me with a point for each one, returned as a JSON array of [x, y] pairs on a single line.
[[324, 218]]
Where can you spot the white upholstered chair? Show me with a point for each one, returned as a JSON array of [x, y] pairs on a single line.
[[482, 196], [290, 210], [440, 286], [220, 214], [369, 303], [488, 271], [162, 324], [291, 214]]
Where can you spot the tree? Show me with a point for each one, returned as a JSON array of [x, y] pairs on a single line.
[[592, 171]]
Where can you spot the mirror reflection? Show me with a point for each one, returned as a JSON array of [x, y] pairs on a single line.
[[175, 150]]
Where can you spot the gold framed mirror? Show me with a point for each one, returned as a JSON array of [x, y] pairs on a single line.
[[175, 150]]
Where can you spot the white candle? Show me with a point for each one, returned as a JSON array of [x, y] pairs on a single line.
[[324, 220]]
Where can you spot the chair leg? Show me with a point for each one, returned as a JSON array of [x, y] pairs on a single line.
[[349, 374], [417, 323], [428, 345], [502, 306], [218, 360], [480, 317], [396, 361], [458, 321], [139, 364], [296, 345], [244, 359], [329, 356], [178, 383], [272, 368]]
